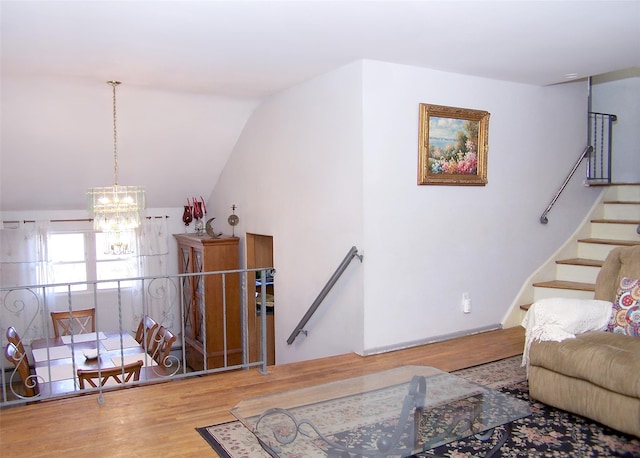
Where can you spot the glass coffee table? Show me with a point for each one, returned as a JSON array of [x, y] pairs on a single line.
[[398, 412]]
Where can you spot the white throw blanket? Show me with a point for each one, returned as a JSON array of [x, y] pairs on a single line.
[[559, 318]]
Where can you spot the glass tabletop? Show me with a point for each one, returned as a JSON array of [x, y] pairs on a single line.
[[398, 412]]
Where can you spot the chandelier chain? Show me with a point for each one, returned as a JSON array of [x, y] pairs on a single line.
[[115, 134]]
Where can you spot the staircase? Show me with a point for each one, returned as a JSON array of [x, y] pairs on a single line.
[[615, 222]]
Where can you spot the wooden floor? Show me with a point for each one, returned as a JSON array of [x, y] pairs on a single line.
[[160, 420]]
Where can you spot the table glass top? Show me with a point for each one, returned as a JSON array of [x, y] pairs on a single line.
[[397, 412]]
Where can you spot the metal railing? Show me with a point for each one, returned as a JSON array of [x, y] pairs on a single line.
[[597, 152], [353, 252], [585, 153], [601, 138], [119, 310]]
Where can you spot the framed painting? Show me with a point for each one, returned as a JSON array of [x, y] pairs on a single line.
[[453, 144]]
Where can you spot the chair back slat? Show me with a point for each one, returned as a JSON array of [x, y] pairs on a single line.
[[147, 326], [100, 378], [162, 343], [74, 322]]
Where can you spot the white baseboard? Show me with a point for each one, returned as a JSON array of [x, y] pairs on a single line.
[[441, 338]]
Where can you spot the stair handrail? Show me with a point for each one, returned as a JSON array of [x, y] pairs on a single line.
[[353, 252], [588, 150]]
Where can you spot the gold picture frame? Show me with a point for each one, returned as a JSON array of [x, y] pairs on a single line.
[[453, 145]]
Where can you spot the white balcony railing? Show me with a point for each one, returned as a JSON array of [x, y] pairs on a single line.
[[118, 311]]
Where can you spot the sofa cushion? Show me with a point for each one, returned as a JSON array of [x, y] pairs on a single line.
[[606, 359], [626, 308], [584, 398], [621, 262], [560, 318]]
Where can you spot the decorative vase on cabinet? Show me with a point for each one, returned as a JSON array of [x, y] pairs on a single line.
[[208, 299]]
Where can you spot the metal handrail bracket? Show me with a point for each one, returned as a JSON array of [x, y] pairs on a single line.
[[353, 252]]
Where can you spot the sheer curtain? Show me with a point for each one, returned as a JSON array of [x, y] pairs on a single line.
[[156, 296], [23, 262]]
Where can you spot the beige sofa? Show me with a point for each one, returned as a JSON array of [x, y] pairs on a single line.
[[597, 374]]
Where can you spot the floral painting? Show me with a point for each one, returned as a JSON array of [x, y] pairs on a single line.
[[453, 145]]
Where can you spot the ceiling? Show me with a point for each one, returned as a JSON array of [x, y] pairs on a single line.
[[255, 48]]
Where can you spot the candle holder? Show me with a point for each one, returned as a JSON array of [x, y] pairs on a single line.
[[198, 210], [187, 216]]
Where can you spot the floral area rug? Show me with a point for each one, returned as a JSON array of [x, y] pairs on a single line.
[[548, 432]]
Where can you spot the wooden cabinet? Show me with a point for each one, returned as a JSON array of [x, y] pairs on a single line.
[[208, 299]]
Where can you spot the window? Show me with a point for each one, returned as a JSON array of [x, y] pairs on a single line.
[[110, 266], [69, 265], [83, 256]]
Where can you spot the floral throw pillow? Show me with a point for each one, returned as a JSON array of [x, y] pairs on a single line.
[[626, 308]]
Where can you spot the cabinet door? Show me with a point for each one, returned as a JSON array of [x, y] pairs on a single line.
[[212, 314], [197, 315], [186, 266]]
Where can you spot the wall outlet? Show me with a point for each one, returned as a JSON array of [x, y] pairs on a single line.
[[466, 303]]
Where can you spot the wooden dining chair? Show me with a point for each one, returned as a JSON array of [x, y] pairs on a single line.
[[14, 338], [19, 360], [162, 342], [80, 321], [120, 374], [147, 325]]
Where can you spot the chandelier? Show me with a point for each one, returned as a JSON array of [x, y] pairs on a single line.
[[116, 210]]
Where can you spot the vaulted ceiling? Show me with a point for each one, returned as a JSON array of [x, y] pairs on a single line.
[[254, 48]]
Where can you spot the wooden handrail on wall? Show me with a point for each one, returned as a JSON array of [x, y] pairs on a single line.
[[353, 252]]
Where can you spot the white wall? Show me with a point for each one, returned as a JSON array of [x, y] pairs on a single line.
[[621, 96], [57, 140], [332, 163], [296, 174], [427, 245]]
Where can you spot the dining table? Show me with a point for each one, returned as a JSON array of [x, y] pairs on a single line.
[[56, 360]]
